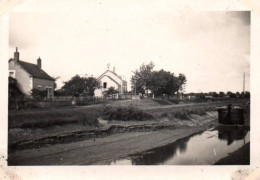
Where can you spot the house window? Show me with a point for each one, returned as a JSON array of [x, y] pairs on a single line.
[[12, 73], [104, 85]]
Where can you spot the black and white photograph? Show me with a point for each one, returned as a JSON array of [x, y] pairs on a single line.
[[127, 83]]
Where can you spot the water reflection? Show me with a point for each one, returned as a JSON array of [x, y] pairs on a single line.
[[160, 154], [231, 134], [201, 148]]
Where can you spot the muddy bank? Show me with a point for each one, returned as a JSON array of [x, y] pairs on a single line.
[[100, 150], [239, 157], [36, 138], [84, 135]]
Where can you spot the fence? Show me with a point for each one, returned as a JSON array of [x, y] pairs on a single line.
[[59, 101]]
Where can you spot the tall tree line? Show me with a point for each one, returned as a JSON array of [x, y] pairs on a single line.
[[159, 82]]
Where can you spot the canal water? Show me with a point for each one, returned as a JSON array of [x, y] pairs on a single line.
[[204, 148]]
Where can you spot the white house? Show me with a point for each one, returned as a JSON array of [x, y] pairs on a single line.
[[30, 76], [111, 79]]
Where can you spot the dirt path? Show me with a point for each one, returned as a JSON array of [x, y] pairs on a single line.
[[99, 150]]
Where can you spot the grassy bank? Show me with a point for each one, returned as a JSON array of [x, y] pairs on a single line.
[[181, 113], [124, 113], [52, 117], [88, 115]]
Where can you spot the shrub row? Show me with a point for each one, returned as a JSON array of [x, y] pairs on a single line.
[[124, 113]]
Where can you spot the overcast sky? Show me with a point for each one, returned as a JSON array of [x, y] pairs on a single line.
[[211, 48]]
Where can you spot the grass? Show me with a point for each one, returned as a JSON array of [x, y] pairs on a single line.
[[182, 113], [43, 119], [162, 102], [174, 101], [124, 113]]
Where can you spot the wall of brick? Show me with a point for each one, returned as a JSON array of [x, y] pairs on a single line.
[[42, 84]]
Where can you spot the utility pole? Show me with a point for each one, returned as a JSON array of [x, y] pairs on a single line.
[[135, 95], [131, 94], [244, 86], [244, 83]]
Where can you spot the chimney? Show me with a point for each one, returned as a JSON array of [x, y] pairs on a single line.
[[39, 62], [114, 69], [16, 55]]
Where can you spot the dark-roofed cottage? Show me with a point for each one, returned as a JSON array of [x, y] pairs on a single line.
[[30, 76]]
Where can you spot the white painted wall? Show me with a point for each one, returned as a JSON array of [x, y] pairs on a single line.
[[113, 81], [110, 83], [24, 81]]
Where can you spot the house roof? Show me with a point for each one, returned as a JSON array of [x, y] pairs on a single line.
[[112, 79], [111, 72], [35, 71]]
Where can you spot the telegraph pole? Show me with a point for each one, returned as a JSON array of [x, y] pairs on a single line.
[[244, 77], [135, 95], [244, 83], [131, 93]]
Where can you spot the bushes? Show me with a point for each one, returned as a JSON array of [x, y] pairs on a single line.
[[124, 114], [38, 94]]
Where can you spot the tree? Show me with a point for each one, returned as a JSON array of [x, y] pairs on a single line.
[[80, 86], [221, 94], [163, 82], [231, 95], [55, 79], [247, 94], [15, 95], [142, 77], [159, 82], [181, 82], [110, 91], [215, 94], [91, 84], [237, 94]]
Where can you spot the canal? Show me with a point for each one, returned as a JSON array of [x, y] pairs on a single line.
[[203, 148]]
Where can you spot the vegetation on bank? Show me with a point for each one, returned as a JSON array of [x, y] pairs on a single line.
[[162, 102], [44, 119], [185, 112], [124, 113], [131, 113]]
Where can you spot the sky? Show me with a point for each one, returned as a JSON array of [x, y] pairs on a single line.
[[212, 48]]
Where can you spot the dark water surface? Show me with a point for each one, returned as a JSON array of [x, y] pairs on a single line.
[[204, 148]]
